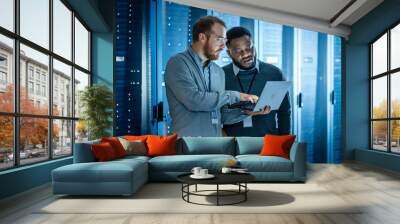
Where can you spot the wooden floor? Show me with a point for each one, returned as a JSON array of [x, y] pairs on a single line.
[[378, 189]]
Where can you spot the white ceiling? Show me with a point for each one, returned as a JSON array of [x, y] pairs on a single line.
[[315, 15], [320, 9]]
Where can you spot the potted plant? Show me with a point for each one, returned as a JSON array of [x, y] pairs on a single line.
[[96, 102]]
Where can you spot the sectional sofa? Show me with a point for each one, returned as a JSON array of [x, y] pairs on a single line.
[[125, 176]]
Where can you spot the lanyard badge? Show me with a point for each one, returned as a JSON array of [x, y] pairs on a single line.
[[214, 117]]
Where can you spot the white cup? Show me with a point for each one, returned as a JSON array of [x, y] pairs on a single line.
[[203, 172], [196, 171], [226, 170]]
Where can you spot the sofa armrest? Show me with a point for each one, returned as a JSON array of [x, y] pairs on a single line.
[[298, 155], [83, 152]]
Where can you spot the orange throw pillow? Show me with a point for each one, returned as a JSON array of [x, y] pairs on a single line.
[[116, 145], [276, 145], [135, 138], [103, 152], [161, 145]]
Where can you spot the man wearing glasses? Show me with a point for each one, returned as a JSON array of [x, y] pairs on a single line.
[[248, 74], [195, 85]]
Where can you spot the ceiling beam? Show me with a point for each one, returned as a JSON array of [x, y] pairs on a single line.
[[90, 13], [346, 12], [269, 15]]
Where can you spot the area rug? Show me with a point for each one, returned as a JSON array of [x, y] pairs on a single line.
[[167, 198]]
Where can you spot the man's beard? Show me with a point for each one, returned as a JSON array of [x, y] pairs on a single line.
[[245, 68], [208, 53]]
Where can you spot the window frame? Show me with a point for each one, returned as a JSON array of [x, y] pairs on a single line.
[[16, 114], [388, 74]]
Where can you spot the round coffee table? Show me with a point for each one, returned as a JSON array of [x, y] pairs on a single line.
[[238, 179]]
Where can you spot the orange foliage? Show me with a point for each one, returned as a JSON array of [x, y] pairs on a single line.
[[33, 130]]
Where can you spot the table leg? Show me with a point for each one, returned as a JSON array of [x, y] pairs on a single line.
[[245, 193], [188, 190], [217, 194], [182, 190]]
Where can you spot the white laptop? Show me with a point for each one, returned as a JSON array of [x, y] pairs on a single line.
[[273, 94]]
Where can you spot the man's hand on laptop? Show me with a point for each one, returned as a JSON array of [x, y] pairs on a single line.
[[248, 97], [267, 110]]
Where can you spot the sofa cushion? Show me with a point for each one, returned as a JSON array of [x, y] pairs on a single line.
[[111, 171], [206, 145], [277, 145], [135, 137], [103, 152], [116, 145], [257, 163], [249, 145], [185, 163], [161, 145], [135, 147]]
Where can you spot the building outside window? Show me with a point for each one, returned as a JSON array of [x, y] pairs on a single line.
[[3, 72], [37, 75], [30, 87], [38, 89], [43, 90], [30, 72], [3, 78], [3, 61]]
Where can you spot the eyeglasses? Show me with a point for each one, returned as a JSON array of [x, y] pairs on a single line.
[[249, 49], [218, 38]]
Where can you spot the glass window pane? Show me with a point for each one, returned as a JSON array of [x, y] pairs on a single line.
[[379, 98], [62, 89], [81, 131], [6, 142], [81, 81], [34, 81], [379, 135], [395, 95], [395, 129], [395, 47], [379, 55], [7, 14], [33, 139], [62, 138], [62, 29], [35, 21], [81, 45], [6, 74]]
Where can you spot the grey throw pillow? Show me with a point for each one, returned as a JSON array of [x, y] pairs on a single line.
[[137, 148]]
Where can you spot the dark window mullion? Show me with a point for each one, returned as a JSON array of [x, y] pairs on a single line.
[[84, 70], [89, 55], [389, 71], [371, 137], [73, 82], [50, 87], [389, 112], [16, 84]]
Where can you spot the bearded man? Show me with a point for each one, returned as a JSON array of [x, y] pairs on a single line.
[[195, 85]]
